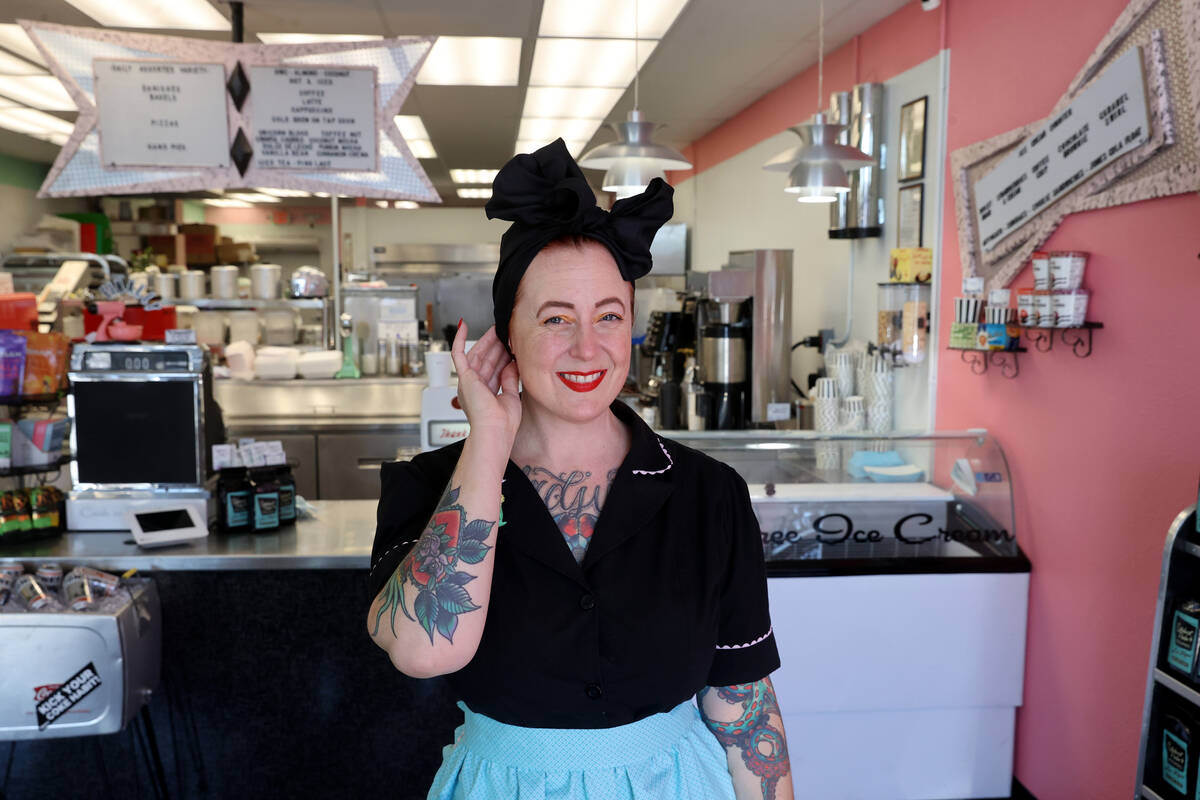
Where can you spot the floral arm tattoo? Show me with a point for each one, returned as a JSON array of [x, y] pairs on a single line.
[[762, 745], [432, 568]]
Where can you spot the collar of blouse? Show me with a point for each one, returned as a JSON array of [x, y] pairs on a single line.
[[643, 483]]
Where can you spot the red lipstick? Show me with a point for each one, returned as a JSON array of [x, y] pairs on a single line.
[[582, 381]]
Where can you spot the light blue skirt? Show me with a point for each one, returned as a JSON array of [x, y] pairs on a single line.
[[670, 756]]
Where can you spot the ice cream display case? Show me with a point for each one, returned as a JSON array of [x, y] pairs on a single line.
[[899, 595]]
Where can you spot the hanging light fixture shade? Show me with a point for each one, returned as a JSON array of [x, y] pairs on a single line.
[[818, 183], [630, 176], [635, 158]]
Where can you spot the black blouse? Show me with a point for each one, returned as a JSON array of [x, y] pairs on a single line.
[[671, 595]]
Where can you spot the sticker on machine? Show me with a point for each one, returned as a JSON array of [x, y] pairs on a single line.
[[62, 699]]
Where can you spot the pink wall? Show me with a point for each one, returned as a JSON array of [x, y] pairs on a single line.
[[1103, 450]]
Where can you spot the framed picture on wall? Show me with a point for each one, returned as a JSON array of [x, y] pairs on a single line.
[[912, 140], [910, 213]]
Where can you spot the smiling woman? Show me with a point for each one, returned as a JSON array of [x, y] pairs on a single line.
[[580, 579]]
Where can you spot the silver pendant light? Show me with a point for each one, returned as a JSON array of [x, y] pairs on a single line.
[[634, 159], [817, 166]]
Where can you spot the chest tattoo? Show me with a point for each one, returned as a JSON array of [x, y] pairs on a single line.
[[574, 500]]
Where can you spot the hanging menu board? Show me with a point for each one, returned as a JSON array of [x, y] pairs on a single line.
[[161, 114], [1107, 120], [313, 118]]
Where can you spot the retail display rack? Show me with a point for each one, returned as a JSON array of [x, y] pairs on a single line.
[[17, 406], [1078, 338], [1169, 753]]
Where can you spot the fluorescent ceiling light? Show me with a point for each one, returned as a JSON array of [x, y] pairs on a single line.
[[14, 38], [383, 203], [316, 38], [473, 175], [407, 204], [472, 61], [611, 20], [547, 130], [194, 15], [411, 127], [223, 202], [39, 91], [284, 192], [587, 62], [556, 101], [321, 194], [421, 148], [574, 147], [475, 194], [35, 123], [414, 133], [254, 197], [11, 65]]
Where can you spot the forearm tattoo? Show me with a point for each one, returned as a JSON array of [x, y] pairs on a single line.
[[432, 568], [763, 748], [574, 505]]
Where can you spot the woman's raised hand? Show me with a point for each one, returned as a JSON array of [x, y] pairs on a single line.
[[482, 373]]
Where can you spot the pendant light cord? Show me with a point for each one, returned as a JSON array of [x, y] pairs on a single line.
[[636, 53], [820, 54]]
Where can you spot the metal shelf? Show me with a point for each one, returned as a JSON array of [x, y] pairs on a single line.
[[1150, 794], [1177, 686], [15, 472], [978, 359], [32, 399], [254, 304]]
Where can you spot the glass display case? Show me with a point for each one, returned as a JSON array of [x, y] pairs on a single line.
[[860, 503]]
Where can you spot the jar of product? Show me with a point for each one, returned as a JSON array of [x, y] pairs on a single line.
[[1176, 744], [265, 507], [1041, 270], [1026, 312], [888, 316], [914, 327], [1066, 269], [1043, 304], [234, 494], [287, 495]]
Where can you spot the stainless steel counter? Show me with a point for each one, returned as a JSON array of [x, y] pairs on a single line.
[[340, 538]]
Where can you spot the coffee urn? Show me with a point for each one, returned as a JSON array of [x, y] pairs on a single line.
[[724, 344]]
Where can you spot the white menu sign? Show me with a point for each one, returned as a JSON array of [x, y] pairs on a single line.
[[161, 114], [313, 118], [1107, 120]]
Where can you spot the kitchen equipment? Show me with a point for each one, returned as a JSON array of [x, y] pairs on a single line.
[[280, 326], [117, 648], [724, 344], [443, 422], [144, 418], [224, 281], [888, 314], [245, 326], [695, 402], [384, 313], [209, 327], [164, 286], [319, 364], [264, 281], [914, 322], [770, 355], [660, 354], [349, 368], [309, 282], [864, 202], [191, 285], [452, 280]]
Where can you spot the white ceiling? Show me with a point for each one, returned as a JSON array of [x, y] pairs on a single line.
[[718, 58]]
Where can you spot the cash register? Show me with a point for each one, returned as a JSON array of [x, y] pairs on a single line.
[[144, 422]]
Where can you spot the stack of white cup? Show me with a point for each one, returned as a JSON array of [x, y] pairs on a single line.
[[880, 393], [825, 406], [840, 366]]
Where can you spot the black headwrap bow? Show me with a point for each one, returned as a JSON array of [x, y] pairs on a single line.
[[546, 197]]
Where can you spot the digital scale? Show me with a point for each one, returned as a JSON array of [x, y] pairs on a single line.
[[144, 420]]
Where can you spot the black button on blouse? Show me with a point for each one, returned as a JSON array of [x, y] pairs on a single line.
[[671, 595]]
